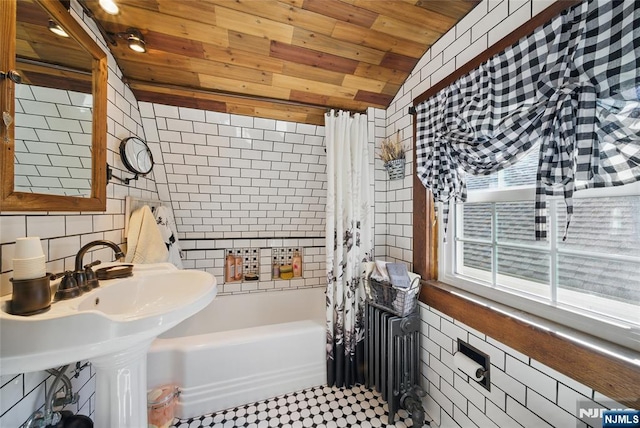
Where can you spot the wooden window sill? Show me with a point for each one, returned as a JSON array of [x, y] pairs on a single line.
[[602, 366]]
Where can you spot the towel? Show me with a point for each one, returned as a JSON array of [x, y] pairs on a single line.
[[166, 224], [368, 268], [144, 241], [380, 272]]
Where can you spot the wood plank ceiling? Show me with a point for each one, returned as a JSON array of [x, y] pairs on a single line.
[[281, 59]]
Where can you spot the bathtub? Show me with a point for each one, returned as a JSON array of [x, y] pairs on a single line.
[[241, 349]]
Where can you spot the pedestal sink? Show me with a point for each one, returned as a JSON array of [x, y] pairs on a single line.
[[112, 326]]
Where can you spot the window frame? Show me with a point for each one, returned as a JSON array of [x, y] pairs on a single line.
[[604, 327]]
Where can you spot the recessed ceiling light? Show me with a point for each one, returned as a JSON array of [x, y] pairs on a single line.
[[109, 6], [56, 29]]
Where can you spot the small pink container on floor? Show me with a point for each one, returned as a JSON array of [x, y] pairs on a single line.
[[161, 404]]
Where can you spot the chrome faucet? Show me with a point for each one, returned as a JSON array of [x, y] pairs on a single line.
[[85, 277]]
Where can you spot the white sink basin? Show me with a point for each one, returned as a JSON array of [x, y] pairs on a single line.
[[146, 295], [118, 314], [112, 326]]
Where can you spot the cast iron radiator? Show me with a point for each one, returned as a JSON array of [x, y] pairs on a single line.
[[392, 356]]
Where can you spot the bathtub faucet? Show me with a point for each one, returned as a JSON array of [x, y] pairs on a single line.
[[85, 277]]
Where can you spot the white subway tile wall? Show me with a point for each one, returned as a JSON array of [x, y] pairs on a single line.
[[21, 394], [523, 392], [242, 182], [230, 176], [237, 182], [52, 141], [62, 234]]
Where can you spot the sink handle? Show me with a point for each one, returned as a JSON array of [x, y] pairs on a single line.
[[92, 264], [68, 287], [90, 278]]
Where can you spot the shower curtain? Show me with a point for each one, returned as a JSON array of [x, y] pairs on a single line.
[[349, 243]]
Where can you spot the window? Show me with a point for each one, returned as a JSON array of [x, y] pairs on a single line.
[[590, 282]]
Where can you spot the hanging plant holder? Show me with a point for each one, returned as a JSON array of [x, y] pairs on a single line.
[[395, 169], [392, 153]]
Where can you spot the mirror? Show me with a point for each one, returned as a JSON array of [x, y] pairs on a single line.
[[136, 156], [56, 156], [53, 107]]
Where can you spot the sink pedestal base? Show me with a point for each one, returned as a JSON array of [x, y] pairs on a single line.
[[121, 387]]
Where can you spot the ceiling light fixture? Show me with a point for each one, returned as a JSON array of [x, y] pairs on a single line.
[[109, 6], [134, 39], [56, 29]]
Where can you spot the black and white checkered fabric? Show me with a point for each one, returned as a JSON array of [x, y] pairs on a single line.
[[570, 89]]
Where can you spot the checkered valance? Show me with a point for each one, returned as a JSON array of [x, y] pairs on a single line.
[[573, 86]]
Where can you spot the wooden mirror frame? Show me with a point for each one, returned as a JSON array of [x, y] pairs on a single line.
[[11, 200]]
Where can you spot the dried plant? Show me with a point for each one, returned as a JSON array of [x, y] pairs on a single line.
[[391, 149]]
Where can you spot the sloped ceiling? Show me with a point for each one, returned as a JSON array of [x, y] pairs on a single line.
[[282, 59]]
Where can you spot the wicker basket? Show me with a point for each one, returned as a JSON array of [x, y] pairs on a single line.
[[395, 300], [395, 169]]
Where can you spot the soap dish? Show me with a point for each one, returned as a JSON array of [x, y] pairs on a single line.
[[114, 272]]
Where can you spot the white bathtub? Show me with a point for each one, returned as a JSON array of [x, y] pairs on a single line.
[[241, 349]]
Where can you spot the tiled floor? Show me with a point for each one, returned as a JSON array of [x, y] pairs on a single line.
[[320, 407]]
